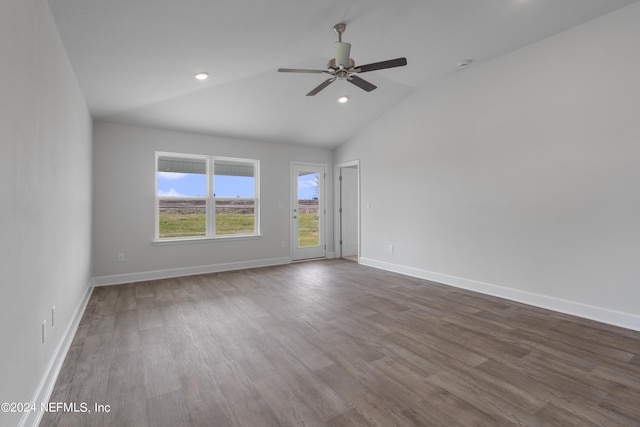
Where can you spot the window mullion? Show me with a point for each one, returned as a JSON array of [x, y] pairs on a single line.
[[211, 203]]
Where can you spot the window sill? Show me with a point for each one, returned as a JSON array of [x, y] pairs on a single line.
[[187, 240]]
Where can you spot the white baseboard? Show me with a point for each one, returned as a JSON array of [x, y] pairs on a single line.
[[186, 271], [48, 380], [599, 314]]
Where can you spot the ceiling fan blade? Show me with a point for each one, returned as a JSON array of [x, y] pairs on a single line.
[[321, 86], [297, 70], [361, 83], [398, 62]]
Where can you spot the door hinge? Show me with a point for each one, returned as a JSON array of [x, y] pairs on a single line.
[[340, 178], [340, 241]]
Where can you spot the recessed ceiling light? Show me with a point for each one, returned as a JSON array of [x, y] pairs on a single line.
[[201, 75], [343, 99]]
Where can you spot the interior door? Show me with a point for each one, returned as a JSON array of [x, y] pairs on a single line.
[[308, 211], [349, 226]]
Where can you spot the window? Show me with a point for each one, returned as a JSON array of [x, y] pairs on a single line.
[[206, 197]]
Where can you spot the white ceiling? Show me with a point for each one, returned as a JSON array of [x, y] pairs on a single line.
[[135, 59]]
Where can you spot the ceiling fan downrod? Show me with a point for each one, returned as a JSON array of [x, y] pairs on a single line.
[[339, 29]]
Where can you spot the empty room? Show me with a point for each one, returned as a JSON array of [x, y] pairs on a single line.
[[336, 213]]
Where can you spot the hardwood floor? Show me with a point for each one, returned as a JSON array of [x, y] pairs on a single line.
[[333, 343]]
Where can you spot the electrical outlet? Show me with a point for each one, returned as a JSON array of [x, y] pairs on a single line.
[[390, 249], [53, 316], [120, 257], [44, 331]]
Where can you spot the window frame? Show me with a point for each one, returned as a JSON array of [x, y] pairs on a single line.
[[210, 199]]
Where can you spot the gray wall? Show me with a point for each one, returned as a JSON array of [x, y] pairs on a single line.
[[519, 176], [124, 203], [45, 208]]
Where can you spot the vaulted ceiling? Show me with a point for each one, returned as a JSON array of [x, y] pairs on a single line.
[[135, 59]]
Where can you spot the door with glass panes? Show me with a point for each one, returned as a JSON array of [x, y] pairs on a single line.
[[308, 211]]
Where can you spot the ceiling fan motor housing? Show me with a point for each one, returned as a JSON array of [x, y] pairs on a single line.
[[342, 51]]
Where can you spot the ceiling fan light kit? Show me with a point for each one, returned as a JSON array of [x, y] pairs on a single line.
[[342, 66]]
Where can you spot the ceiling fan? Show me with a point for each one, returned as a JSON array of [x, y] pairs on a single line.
[[342, 67]]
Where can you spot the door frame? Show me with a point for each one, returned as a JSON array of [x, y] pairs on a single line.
[[322, 210], [338, 205]]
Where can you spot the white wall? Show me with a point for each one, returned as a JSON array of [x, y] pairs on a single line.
[[124, 203], [45, 194], [518, 177]]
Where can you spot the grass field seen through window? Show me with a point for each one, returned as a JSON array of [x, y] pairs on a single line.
[[308, 229], [175, 225], [194, 224], [187, 218]]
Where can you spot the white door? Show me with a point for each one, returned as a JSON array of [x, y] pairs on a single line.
[[308, 211], [349, 211]]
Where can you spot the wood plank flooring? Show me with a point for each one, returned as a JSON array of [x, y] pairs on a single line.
[[333, 343]]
